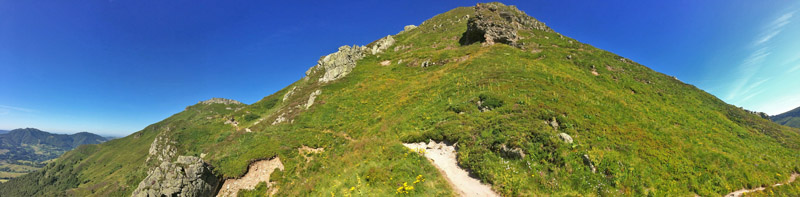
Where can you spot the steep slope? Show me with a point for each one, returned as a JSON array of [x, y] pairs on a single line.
[[27, 150], [790, 118], [500, 85]]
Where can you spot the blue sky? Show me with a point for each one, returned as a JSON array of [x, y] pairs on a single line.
[[114, 67]]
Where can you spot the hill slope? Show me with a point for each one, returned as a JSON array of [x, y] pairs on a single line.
[[790, 118], [499, 84], [27, 150]]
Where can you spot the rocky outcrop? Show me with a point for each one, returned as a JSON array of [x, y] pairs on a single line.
[[289, 93], [498, 23], [187, 176], [408, 28], [339, 64], [161, 149], [220, 101], [381, 44], [312, 97]]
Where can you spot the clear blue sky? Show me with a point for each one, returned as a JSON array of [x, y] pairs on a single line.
[[113, 67]]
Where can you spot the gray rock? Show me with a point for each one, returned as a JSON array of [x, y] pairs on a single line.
[[498, 23], [339, 64], [565, 137], [588, 162], [554, 123], [426, 63], [408, 28], [289, 93], [232, 121], [187, 176], [161, 149], [312, 97], [220, 101], [512, 152], [281, 118], [381, 44]]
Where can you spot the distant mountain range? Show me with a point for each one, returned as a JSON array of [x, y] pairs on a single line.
[[790, 118], [3, 131], [27, 150]]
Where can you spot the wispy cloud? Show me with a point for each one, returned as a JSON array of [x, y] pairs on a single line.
[[746, 87], [774, 28], [795, 68], [8, 109]]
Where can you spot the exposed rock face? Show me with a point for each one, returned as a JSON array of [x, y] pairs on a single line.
[[312, 97], [220, 101], [498, 23], [339, 64], [288, 94], [187, 176], [408, 28], [381, 44], [162, 149], [256, 173]]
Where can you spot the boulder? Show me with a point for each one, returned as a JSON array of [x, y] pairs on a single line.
[[565, 137], [187, 176]]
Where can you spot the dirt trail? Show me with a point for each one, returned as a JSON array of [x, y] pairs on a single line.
[[256, 173], [444, 158], [738, 193]]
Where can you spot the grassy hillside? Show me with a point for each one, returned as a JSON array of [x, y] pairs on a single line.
[[645, 132], [790, 118], [26, 150]]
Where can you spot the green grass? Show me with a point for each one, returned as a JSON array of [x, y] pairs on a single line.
[[647, 133]]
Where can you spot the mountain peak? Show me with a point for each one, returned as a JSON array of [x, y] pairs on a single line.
[[497, 23], [220, 101]]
